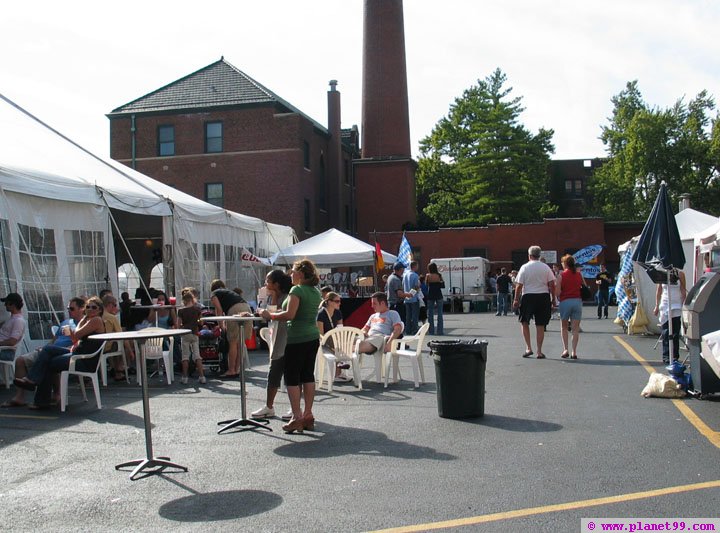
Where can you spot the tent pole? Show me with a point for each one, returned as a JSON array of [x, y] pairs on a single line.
[[671, 344]]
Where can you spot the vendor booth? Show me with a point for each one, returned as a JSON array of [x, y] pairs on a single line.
[[335, 250]]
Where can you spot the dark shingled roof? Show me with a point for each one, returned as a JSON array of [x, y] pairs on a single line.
[[219, 84]]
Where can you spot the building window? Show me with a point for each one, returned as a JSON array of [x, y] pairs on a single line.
[[475, 252], [306, 155], [213, 137], [322, 194], [214, 194], [578, 187], [573, 187], [166, 140], [307, 215]]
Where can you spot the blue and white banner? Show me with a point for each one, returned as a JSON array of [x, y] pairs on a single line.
[[405, 252], [624, 305], [589, 271], [587, 254]]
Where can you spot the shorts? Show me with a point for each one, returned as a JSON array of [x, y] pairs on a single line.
[[571, 309], [190, 345], [535, 306], [233, 328], [7, 355], [378, 341]]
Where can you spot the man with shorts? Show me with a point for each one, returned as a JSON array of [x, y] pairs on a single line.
[[534, 285], [382, 327]]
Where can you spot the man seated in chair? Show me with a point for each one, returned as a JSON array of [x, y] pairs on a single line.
[[13, 329], [60, 343], [382, 327]]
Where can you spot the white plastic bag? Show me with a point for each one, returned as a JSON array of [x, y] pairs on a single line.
[[662, 386]]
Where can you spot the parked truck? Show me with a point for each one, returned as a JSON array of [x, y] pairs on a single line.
[[463, 276]]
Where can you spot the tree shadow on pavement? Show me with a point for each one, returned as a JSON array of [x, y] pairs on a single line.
[[221, 505], [509, 423]]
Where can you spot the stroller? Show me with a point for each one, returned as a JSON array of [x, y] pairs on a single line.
[[211, 343]]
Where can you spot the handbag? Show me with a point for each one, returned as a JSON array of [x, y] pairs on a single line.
[[585, 292]]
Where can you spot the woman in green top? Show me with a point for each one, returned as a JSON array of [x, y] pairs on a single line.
[[303, 338]]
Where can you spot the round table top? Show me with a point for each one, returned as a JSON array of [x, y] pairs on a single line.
[[231, 318], [147, 333]]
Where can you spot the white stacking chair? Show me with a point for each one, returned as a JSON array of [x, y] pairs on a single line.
[[266, 335], [154, 351], [93, 375], [379, 358], [9, 366], [120, 352], [344, 342], [410, 348]]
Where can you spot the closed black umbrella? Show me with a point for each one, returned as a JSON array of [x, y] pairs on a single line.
[[659, 249]]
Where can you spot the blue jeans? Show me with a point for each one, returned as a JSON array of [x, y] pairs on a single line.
[[40, 367], [603, 299], [502, 303], [432, 305], [412, 313]]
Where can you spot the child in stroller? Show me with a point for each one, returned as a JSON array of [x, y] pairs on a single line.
[[211, 342]]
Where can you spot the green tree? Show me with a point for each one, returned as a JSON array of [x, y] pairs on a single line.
[[479, 165], [647, 145]]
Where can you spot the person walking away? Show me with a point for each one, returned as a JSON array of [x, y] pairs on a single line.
[[303, 340], [434, 300], [674, 294], [567, 290], [534, 286], [503, 283]]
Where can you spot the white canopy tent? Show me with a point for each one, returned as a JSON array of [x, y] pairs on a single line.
[[331, 248], [62, 208], [689, 223]]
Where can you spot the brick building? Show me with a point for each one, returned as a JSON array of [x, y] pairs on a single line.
[[219, 135]]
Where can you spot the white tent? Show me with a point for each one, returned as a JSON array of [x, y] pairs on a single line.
[[62, 208], [689, 223], [331, 248]]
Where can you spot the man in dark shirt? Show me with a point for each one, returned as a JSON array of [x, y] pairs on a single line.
[[603, 281], [503, 292]]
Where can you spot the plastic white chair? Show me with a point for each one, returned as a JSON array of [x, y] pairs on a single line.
[[266, 335], [65, 375], [344, 342], [410, 348], [153, 351], [120, 352], [9, 366], [379, 359]]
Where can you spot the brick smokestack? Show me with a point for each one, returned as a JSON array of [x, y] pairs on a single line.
[[335, 167], [385, 122], [385, 175]]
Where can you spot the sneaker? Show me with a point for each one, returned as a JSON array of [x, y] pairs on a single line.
[[202, 380], [183, 380], [287, 416], [263, 412]]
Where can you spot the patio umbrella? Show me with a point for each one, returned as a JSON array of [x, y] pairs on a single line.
[[659, 249]]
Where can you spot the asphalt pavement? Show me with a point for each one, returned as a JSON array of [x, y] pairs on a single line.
[[560, 440]]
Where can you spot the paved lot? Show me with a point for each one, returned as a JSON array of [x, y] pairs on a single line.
[[557, 435]]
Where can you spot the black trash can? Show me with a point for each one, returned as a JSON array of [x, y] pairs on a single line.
[[460, 377]]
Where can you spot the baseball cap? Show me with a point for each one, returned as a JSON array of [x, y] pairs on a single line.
[[398, 266], [13, 298]]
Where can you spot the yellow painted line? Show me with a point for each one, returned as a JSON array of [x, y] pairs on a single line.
[[32, 417], [569, 506], [707, 432]]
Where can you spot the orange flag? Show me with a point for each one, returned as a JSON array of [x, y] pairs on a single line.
[[379, 262]]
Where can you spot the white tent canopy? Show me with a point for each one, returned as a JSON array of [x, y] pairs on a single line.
[[331, 248], [689, 223], [58, 207]]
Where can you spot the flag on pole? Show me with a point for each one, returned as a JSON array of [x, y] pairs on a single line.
[[379, 261], [624, 305], [405, 252]]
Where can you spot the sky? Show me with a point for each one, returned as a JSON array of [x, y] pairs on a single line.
[[70, 63]]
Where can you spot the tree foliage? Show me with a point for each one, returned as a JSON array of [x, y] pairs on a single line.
[[679, 145], [479, 165]]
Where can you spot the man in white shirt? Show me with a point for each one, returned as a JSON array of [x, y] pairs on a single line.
[[382, 327], [534, 285]]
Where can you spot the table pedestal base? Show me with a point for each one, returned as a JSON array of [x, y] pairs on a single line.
[[158, 463], [230, 424]]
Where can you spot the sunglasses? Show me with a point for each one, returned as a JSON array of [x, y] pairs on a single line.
[[336, 301], [92, 307]]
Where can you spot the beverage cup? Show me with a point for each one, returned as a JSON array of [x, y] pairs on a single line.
[[66, 330], [272, 308], [138, 301]]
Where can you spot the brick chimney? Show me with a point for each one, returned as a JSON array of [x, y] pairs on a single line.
[[385, 175], [335, 173]]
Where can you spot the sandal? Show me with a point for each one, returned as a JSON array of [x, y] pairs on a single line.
[[25, 383], [13, 403], [528, 353], [565, 354], [541, 356], [573, 356]]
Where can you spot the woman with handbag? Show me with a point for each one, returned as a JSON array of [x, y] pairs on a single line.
[[568, 290], [434, 300]]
